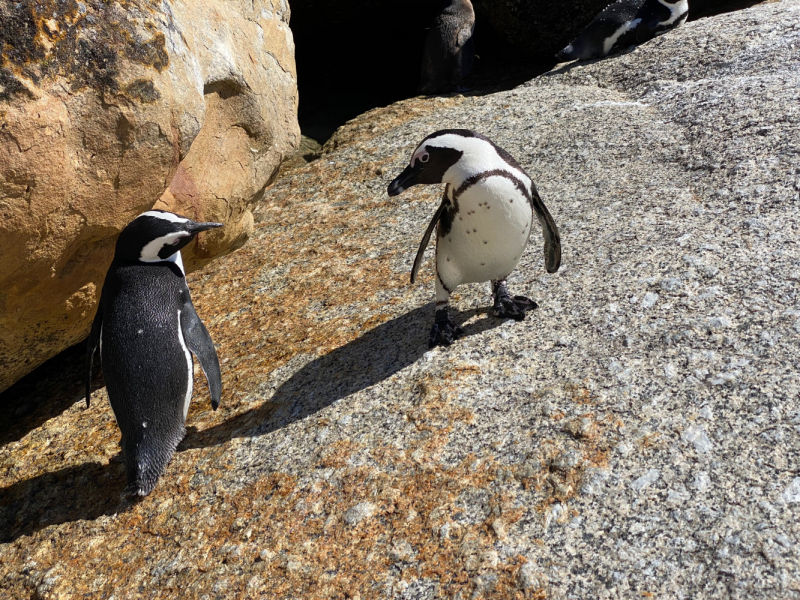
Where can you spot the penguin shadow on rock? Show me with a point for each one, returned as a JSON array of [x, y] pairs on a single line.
[[76, 493], [369, 359], [44, 393]]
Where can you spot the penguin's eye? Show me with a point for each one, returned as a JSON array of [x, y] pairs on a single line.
[[424, 157]]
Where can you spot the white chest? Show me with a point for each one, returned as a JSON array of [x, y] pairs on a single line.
[[488, 233]]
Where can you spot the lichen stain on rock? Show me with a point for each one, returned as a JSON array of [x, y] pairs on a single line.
[[564, 464], [80, 41], [290, 536], [142, 90]]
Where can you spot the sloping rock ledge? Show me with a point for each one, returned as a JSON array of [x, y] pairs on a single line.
[[637, 436]]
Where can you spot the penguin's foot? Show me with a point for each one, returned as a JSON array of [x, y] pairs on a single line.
[[444, 331], [512, 307], [134, 492]]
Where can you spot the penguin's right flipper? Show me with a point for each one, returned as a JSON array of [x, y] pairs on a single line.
[[91, 346], [427, 238], [199, 342]]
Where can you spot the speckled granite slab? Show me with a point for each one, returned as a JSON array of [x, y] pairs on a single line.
[[638, 436]]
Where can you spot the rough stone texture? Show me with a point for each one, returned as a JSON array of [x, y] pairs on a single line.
[[108, 109], [635, 437]]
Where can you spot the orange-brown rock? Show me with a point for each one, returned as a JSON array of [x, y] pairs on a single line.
[[109, 109]]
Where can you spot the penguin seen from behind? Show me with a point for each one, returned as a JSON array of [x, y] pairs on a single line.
[[449, 49], [483, 223], [147, 330]]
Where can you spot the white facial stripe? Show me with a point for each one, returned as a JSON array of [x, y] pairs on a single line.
[[150, 251], [166, 216], [174, 258], [479, 156]]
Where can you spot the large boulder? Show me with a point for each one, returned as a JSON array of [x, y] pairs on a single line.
[[635, 436], [110, 108]]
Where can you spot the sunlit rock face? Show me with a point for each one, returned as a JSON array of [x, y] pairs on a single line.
[[109, 109]]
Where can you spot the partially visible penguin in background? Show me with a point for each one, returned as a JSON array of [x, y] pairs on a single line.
[[623, 24], [449, 49], [147, 330]]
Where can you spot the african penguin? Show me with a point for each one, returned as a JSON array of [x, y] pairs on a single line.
[[482, 224], [147, 330], [623, 24], [449, 49]]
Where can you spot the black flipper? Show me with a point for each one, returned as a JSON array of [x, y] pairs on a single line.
[[91, 346], [646, 30], [199, 342], [552, 240], [427, 237]]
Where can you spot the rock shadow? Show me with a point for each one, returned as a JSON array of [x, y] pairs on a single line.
[[45, 393], [79, 492], [369, 359], [91, 490]]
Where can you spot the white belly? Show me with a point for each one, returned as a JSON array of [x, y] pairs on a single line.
[[488, 235]]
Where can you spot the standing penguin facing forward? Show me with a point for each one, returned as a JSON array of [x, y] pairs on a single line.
[[147, 330], [623, 24], [482, 224], [449, 49]]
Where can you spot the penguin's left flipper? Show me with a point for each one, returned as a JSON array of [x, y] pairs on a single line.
[[427, 238], [552, 239], [646, 30], [199, 342], [91, 346]]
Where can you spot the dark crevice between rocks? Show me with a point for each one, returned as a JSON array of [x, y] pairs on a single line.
[[356, 56], [699, 9], [352, 57]]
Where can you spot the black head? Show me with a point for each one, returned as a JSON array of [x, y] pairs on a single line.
[[156, 235], [432, 159]]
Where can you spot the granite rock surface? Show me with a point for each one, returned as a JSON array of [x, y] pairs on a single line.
[[108, 109], [634, 437]]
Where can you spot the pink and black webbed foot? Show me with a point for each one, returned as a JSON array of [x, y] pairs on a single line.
[[444, 331]]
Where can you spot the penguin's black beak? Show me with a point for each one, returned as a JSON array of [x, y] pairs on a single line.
[[196, 228], [406, 179]]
